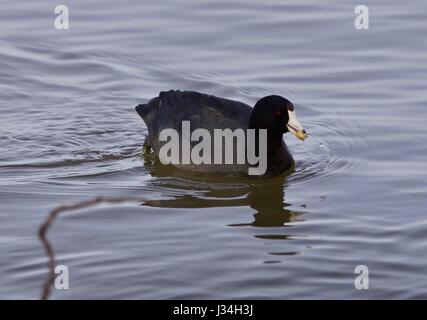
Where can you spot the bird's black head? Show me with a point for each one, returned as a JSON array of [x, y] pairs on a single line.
[[277, 115]]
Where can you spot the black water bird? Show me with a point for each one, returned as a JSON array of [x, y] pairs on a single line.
[[274, 113]]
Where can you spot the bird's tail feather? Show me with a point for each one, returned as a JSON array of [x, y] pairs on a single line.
[[144, 109]]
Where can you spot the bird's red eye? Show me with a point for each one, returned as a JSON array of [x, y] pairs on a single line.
[[279, 113]]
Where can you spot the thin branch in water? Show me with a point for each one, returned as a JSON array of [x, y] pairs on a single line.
[[50, 219]]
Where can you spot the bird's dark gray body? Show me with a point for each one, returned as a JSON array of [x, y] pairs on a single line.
[[170, 108]]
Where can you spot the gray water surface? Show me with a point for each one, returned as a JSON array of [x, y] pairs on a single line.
[[69, 132]]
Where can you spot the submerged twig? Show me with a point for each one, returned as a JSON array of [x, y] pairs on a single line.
[[49, 221]]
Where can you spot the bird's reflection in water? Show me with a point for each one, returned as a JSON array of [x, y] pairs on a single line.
[[197, 190]]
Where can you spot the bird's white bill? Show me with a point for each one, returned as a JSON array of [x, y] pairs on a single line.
[[295, 126]]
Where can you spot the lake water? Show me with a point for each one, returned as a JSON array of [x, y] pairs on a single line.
[[69, 132]]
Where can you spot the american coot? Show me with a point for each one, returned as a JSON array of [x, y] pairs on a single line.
[[173, 109]]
